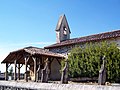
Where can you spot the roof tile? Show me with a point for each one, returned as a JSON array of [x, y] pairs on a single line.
[[94, 37]]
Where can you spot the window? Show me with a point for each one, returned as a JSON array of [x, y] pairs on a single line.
[[65, 30]]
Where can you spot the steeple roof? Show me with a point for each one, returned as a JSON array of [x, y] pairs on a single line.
[[60, 21]]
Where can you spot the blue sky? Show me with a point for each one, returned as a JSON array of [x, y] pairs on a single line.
[[32, 22]]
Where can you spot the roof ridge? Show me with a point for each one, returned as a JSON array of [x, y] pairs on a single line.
[[93, 37], [32, 47], [97, 34], [60, 22]]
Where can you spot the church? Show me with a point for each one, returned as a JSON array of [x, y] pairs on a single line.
[[46, 62]]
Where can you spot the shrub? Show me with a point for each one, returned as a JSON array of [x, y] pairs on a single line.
[[86, 61]]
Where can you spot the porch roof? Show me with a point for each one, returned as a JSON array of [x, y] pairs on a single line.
[[29, 51]]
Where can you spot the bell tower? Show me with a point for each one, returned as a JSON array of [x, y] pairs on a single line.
[[62, 29]]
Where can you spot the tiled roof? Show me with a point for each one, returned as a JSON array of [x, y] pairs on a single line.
[[41, 51], [95, 37], [31, 51]]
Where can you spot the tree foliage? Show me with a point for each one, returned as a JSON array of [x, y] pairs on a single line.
[[86, 61], [10, 71]]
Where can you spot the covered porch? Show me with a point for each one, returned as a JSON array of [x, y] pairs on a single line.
[[40, 64]]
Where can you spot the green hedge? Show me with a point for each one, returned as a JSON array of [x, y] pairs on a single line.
[[86, 61]]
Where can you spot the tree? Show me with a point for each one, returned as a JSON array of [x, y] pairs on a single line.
[[86, 61], [10, 71]]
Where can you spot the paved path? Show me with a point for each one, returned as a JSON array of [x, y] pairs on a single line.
[[54, 86]]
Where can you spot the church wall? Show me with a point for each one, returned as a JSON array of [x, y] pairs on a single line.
[[62, 49], [55, 70], [117, 40], [66, 49]]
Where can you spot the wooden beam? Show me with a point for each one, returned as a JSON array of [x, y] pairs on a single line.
[[6, 74], [58, 61], [38, 70], [9, 65], [25, 69], [15, 77], [26, 60], [45, 72], [21, 65], [34, 59], [64, 76], [18, 71]]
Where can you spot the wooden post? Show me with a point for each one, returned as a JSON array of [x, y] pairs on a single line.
[[26, 78], [102, 73], [38, 70], [34, 67], [15, 77], [64, 76], [45, 72], [18, 71], [51, 60], [6, 73]]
